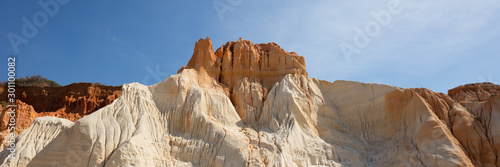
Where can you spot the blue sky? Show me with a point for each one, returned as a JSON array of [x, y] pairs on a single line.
[[432, 44]]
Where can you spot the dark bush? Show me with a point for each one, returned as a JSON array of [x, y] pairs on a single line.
[[36, 80]]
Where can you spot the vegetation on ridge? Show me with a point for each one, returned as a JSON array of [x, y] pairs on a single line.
[[35, 80]]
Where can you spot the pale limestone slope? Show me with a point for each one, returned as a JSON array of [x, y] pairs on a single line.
[[304, 122], [209, 114], [31, 141]]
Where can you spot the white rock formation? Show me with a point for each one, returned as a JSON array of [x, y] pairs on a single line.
[[34, 139], [190, 119]]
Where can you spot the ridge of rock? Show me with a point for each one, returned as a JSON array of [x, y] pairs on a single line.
[[247, 71], [474, 91], [469, 120]]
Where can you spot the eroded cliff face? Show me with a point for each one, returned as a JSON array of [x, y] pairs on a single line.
[[24, 117], [254, 105], [70, 102], [78, 98], [462, 125], [471, 112], [246, 71]]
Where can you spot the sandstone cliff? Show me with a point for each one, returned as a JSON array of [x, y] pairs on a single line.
[[78, 98], [70, 102], [463, 118], [477, 92], [254, 105]]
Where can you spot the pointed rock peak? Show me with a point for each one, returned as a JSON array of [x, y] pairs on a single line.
[[203, 55]]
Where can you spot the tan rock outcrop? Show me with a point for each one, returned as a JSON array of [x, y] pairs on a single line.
[[469, 112], [254, 105], [78, 98], [248, 71], [70, 102], [474, 92], [24, 116]]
